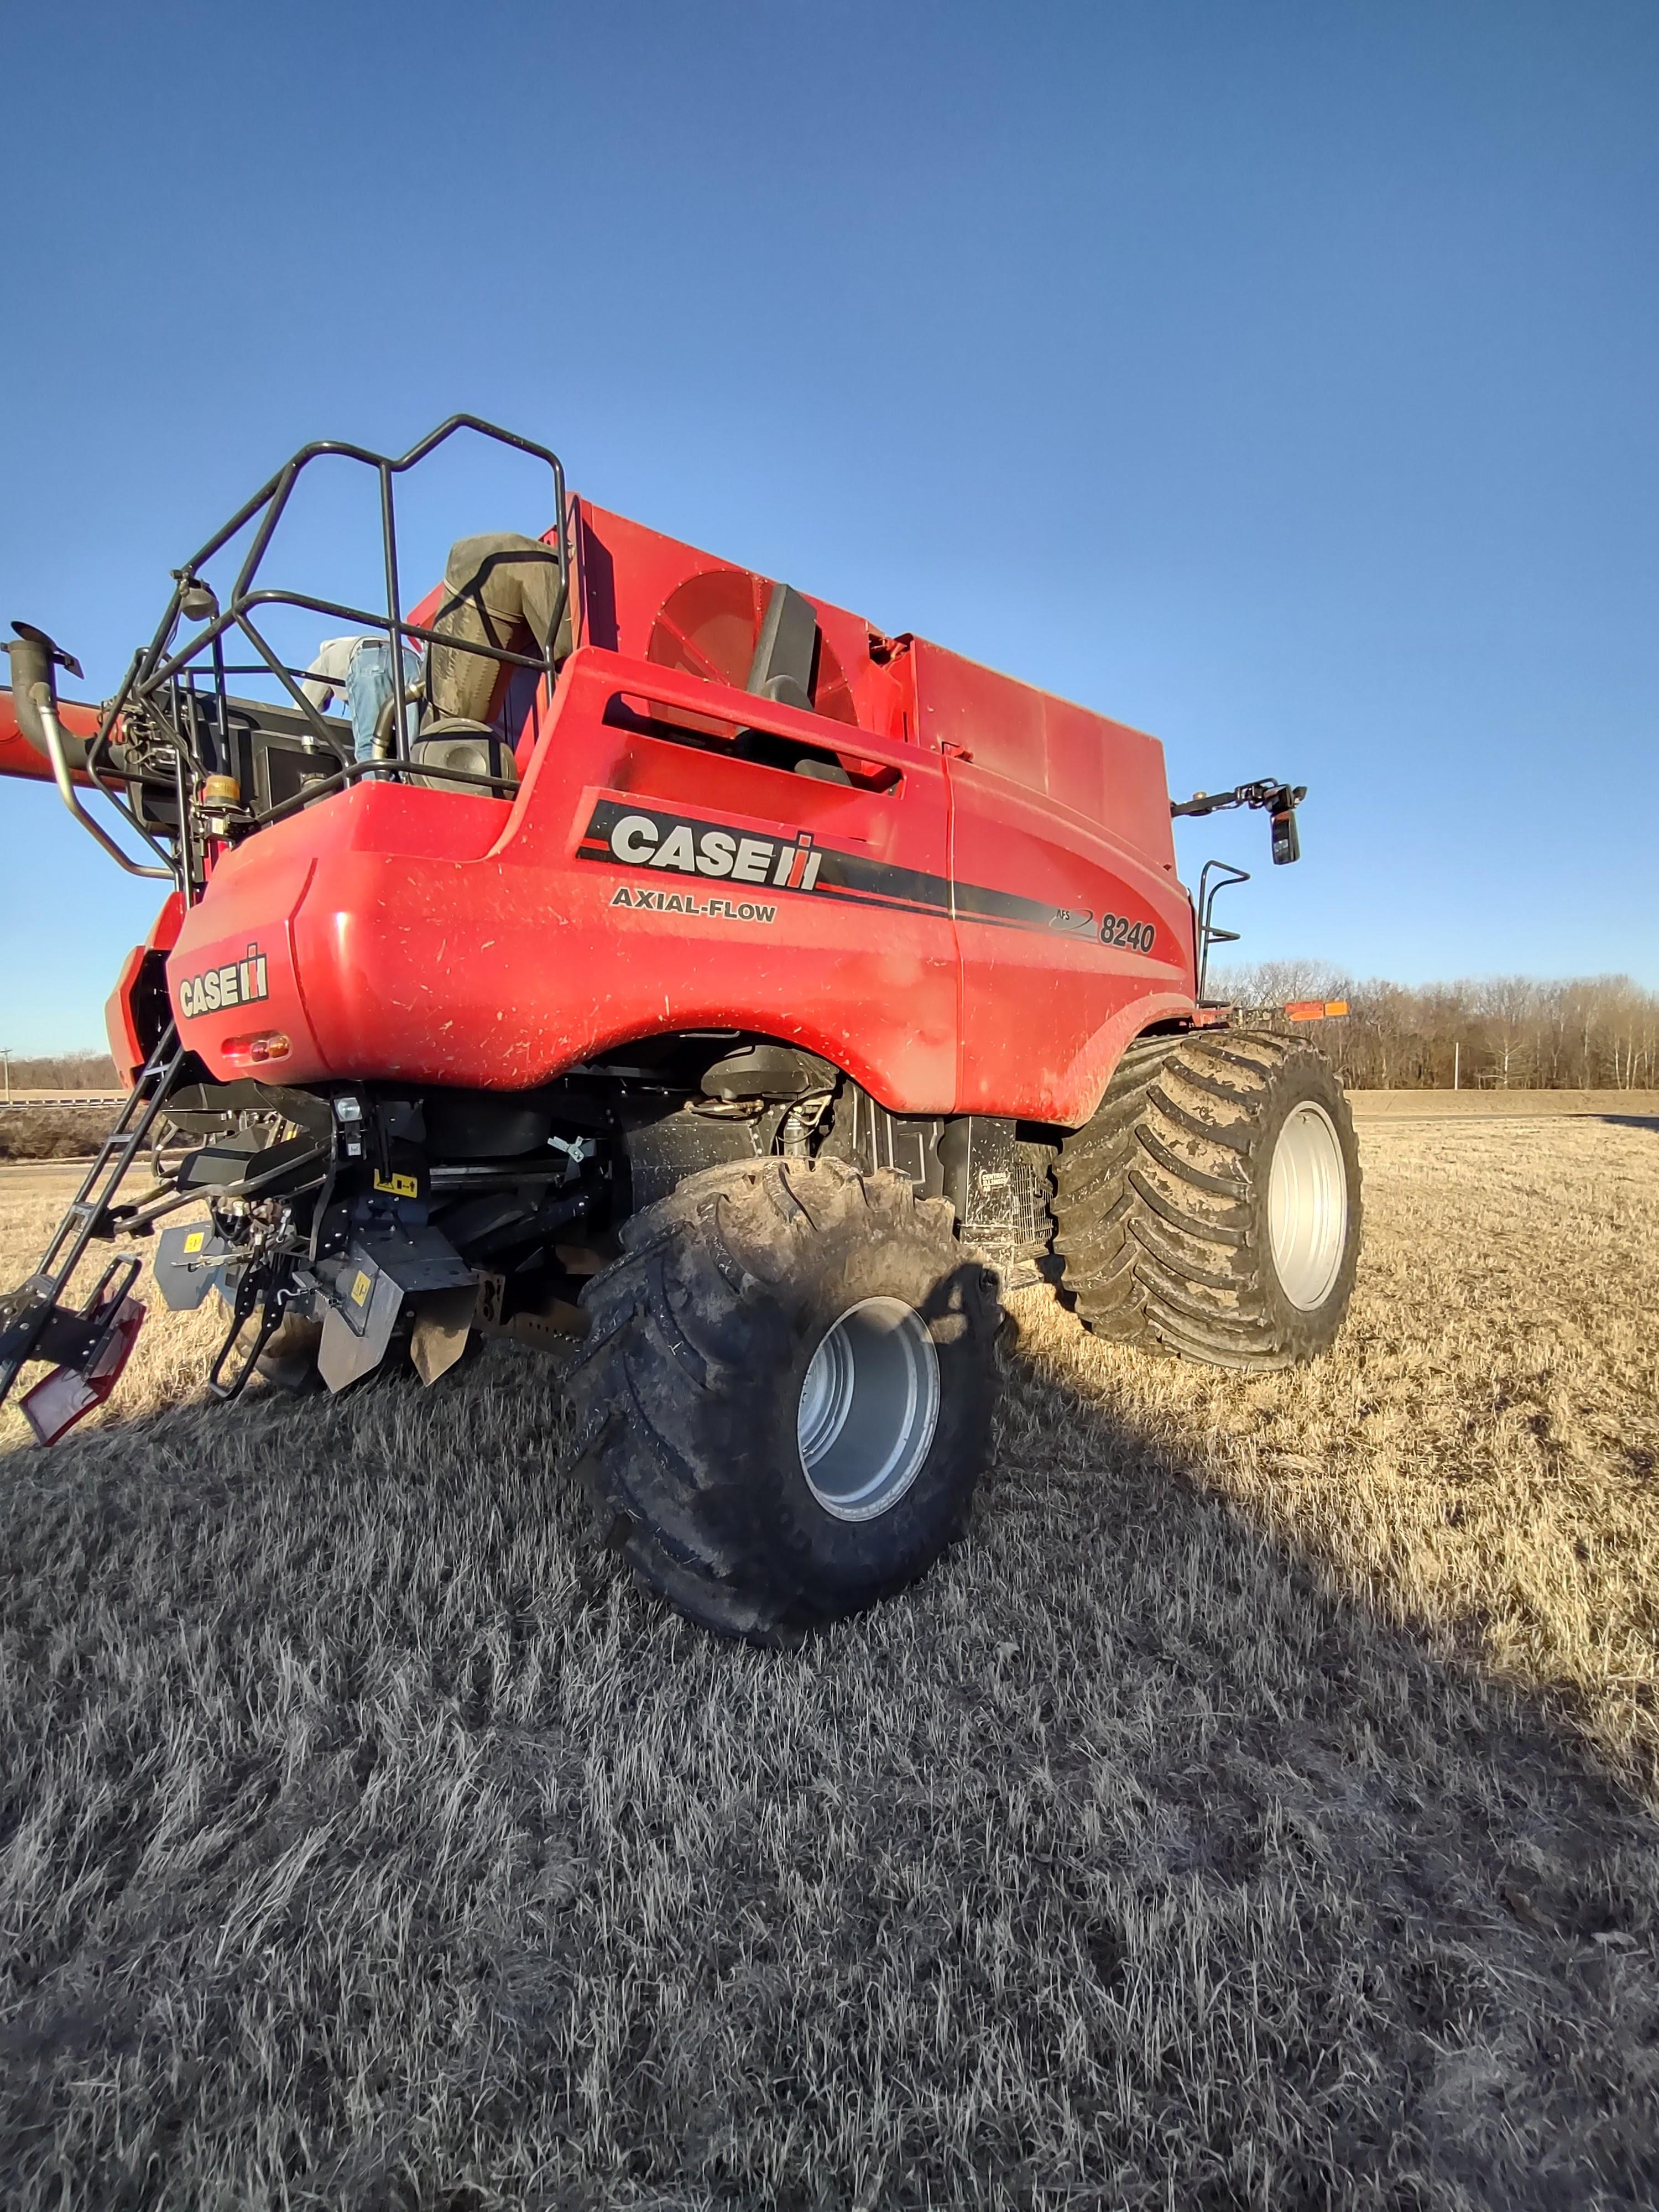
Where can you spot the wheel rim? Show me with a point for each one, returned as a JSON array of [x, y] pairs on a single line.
[[1308, 1206], [869, 1405]]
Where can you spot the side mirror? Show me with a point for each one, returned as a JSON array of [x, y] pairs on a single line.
[[1280, 801]]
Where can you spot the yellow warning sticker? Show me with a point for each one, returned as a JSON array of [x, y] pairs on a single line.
[[362, 1287], [401, 1186], [196, 1239]]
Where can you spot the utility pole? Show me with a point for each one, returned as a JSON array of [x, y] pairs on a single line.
[[5, 1055], [1457, 1063]]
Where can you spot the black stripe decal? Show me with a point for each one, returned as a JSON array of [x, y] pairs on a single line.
[[848, 878]]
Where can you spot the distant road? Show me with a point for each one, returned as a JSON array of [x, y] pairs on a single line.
[[1499, 1105], [21, 1101]]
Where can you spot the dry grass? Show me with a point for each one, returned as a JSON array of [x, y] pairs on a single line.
[[1258, 1811], [1616, 1106], [52, 1132]]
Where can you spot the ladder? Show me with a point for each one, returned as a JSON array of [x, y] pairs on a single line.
[[34, 1325]]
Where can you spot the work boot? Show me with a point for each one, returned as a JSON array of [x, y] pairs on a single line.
[[290, 1360]]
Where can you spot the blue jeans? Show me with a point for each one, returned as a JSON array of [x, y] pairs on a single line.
[[368, 687]]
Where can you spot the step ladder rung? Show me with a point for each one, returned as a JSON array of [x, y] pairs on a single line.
[[91, 1203]]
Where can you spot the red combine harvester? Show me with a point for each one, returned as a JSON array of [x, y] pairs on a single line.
[[738, 988]]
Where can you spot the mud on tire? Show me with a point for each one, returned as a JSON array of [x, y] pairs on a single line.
[[692, 1433], [1212, 1205]]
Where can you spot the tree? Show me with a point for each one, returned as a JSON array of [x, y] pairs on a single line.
[[1513, 1031]]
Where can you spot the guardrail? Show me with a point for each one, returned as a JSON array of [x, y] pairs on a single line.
[[72, 1098]]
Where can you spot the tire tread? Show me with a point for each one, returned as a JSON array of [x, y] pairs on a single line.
[[658, 1387], [1160, 1204]]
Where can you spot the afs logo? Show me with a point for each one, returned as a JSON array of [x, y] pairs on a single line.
[[238, 983]]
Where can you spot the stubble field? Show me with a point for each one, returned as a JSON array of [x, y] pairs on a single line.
[[1258, 1810]]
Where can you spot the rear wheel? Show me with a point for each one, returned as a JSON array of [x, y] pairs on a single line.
[[784, 1400], [1212, 1204]]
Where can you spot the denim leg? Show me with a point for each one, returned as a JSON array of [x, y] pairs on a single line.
[[368, 686]]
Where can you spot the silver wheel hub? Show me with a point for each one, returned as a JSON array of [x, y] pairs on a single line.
[[1308, 1206], [869, 1405]]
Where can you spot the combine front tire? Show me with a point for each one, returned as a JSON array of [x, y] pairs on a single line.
[[1212, 1205], [784, 1400]]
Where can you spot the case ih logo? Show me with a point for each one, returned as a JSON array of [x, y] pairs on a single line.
[[622, 831], [689, 848], [238, 984]]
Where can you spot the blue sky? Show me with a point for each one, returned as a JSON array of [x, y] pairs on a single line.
[[1277, 377]]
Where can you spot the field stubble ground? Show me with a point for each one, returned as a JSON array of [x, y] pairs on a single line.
[[1259, 1810]]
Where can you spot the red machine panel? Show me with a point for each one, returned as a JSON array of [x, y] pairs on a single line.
[[980, 916], [1074, 934], [654, 598], [634, 886], [1047, 1005]]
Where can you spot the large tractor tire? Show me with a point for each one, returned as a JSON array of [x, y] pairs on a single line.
[[1212, 1205], [783, 1402]]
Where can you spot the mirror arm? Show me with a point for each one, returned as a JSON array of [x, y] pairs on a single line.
[[1280, 801]]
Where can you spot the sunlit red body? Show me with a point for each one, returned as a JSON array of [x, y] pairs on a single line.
[[992, 916]]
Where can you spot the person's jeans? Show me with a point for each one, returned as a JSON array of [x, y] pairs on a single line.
[[368, 687]]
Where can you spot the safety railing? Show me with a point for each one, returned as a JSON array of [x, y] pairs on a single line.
[[163, 688]]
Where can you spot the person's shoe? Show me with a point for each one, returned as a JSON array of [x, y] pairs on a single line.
[[288, 1362]]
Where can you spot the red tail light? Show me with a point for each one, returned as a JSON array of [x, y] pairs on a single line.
[[255, 1051]]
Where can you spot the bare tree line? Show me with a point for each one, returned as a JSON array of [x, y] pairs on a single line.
[[64, 1071], [1505, 1032]]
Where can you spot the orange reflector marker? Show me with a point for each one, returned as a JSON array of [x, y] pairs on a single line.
[[255, 1051], [1315, 1010]]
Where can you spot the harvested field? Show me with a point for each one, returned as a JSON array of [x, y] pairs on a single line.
[[1259, 1810], [1615, 1106]]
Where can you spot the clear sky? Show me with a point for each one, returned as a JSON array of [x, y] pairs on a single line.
[[1279, 377]]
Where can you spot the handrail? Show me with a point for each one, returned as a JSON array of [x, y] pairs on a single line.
[[154, 711], [160, 663], [1207, 933], [343, 449]]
